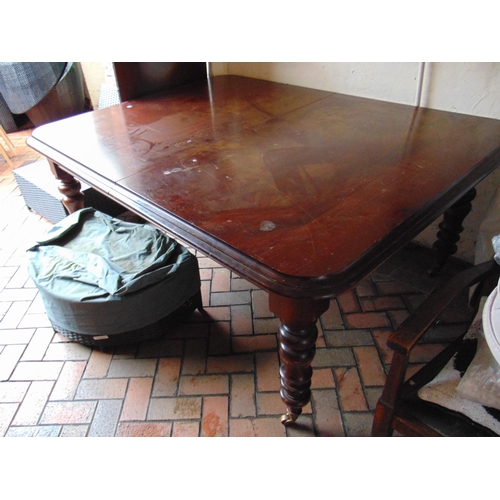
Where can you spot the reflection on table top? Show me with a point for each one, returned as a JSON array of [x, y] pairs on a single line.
[[305, 190]]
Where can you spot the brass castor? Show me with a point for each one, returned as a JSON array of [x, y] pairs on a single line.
[[288, 418]]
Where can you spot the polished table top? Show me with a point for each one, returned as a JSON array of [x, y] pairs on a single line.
[[302, 191]]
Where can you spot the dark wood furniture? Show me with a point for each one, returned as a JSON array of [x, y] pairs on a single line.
[[302, 192], [399, 408], [139, 79]]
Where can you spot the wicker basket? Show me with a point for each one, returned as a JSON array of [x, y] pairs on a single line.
[[39, 190], [148, 332]]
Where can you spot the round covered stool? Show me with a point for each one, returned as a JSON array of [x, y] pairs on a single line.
[[107, 282]]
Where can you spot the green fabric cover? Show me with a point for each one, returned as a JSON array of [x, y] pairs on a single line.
[[99, 275]]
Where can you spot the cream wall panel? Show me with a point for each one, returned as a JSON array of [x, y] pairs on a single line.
[[94, 74], [395, 82], [470, 88]]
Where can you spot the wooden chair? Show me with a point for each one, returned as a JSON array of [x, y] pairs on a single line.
[[399, 408], [3, 152]]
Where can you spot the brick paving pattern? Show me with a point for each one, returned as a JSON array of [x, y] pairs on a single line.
[[215, 375]]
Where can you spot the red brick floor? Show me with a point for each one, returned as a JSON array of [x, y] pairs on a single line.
[[216, 375]]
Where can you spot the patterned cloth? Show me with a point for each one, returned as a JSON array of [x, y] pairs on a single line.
[[24, 84], [6, 119]]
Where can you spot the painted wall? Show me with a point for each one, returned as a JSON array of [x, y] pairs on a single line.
[[470, 88], [94, 77], [394, 82], [97, 75]]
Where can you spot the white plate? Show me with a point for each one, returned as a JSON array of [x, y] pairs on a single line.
[[491, 323]]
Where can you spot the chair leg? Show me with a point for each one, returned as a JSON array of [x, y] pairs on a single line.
[[198, 302], [6, 156], [6, 138], [382, 420], [386, 406]]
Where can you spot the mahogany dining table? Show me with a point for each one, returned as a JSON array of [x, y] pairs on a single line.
[[303, 192]]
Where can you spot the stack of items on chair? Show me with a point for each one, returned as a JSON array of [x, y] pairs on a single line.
[[458, 392]]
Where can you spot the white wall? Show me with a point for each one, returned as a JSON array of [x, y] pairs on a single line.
[[96, 75], [386, 81], [470, 88]]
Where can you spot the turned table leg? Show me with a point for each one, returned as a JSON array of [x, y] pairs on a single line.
[[69, 187], [450, 229], [297, 345]]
